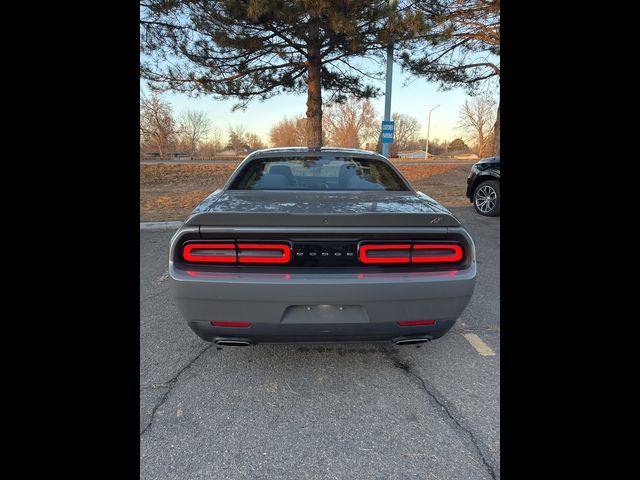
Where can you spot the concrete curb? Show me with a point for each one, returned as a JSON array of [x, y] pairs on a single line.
[[160, 225]]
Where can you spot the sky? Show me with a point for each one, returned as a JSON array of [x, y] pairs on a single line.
[[415, 99]]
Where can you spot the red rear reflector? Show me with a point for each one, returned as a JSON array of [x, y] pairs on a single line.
[[209, 252], [232, 324], [436, 253], [385, 253], [263, 253], [412, 323]]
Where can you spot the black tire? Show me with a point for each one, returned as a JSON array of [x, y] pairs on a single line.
[[486, 198]]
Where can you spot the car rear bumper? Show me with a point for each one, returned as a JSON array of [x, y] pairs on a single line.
[[469, 191], [333, 307]]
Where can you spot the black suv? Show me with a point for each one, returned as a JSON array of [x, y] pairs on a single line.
[[483, 186]]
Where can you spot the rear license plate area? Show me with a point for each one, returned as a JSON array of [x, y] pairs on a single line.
[[324, 314]]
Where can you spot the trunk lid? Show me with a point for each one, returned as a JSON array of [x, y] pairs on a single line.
[[316, 209]]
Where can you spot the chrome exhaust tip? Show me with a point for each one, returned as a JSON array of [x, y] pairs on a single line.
[[412, 341], [233, 342]]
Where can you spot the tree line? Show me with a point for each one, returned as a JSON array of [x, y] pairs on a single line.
[[351, 124], [256, 49], [191, 133]]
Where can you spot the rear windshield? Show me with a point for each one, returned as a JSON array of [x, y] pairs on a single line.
[[318, 173]]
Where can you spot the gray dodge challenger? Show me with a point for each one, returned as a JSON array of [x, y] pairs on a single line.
[[326, 245]]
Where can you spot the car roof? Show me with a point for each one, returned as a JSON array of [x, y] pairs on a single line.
[[268, 152]]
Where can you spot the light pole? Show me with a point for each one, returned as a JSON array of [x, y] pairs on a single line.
[[387, 91], [387, 94], [426, 149]]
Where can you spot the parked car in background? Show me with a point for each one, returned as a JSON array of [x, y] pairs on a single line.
[[483, 186], [328, 245]]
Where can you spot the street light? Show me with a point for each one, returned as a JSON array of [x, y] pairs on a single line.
[[426, 150]]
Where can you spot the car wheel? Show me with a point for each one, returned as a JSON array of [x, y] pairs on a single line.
[[486, 198]]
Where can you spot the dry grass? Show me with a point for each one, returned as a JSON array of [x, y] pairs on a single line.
[[448, 187], [169, 192], [416, 173], [208, 175]]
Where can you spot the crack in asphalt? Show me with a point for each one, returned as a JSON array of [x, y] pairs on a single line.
[[155, 386], [154, 295], [163, 277], [406, 368], [169, 385]]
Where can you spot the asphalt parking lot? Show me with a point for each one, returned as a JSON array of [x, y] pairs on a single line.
[[331, 411]]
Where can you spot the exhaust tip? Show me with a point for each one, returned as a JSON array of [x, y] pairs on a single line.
[[412, 341], [231, 342]]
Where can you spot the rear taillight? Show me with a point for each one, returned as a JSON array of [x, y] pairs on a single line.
[[250, 253], [210, 252], [436, 253], [275, 253], [385, 253]]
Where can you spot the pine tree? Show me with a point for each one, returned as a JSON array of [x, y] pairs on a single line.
[[255, 49]]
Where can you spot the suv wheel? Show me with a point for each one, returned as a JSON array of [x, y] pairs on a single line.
[[486, 198]]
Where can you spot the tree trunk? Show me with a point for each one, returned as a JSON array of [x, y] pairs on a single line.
[[481, 146], [496, 133], [160, 149], [314, 89], [314, 107]]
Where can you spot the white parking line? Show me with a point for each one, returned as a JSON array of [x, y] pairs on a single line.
[[477, 343]]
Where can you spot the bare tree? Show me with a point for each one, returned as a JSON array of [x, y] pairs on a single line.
[[436, 146], [462, 47], [406, 131], [351, 123], [194, 126], [254, 141], [237, 137], [210, 146], [157, 125], [289, 133], [215, 138], [477, 119]]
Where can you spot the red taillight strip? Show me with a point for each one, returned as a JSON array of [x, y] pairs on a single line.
[[364, 258], [455, 257], [194, 257], [285, 249], [413, 323], [231, 324]]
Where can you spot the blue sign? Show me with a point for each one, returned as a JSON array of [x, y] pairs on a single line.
[[387, 131]]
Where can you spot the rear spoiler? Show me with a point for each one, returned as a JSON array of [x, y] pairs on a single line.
[[275, 219]]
